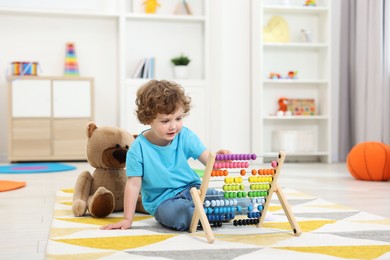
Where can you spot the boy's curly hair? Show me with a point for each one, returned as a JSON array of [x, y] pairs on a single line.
[[160, 97]]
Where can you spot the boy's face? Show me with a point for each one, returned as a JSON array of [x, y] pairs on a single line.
[[164, 128]]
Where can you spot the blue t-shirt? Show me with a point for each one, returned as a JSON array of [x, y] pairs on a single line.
[[164, 170]]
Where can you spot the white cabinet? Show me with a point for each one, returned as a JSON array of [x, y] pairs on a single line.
[[31, 94], [48, 116], [304, 137], [71, 98]]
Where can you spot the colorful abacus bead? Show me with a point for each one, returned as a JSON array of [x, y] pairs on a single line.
[[240, 157], [274, 164]]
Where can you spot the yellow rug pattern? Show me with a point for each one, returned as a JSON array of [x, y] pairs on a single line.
[[330, 231]]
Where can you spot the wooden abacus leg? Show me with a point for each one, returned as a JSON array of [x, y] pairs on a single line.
[[200, 214], [290, 216], [198, 197]]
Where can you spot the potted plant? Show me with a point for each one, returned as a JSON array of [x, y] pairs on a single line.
[[180, 66]]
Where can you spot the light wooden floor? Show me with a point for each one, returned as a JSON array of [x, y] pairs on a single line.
[[26, 213]]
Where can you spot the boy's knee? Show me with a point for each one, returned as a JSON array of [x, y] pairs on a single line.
[[183, 219]]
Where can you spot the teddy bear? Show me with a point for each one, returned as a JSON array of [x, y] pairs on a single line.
[[102, 192]]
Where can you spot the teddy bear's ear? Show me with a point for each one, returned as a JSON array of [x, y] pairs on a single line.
[[90, 128]]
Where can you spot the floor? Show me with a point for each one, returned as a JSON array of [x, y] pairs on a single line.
[[26, 213]]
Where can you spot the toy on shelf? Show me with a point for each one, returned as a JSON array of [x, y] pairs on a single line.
[[302, 107], [283, 104], [282, 110], [274, 75], [151, 6], [296, 107], [292, 75], [305, 36], [235, 202], [310, 3], [24, 68], [276, 30], [71, 66]]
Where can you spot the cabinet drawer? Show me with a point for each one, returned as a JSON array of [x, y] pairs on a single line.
[[67, 129], [70, 137], [70, 147], [32, 148], [31, 137], [31, 129]]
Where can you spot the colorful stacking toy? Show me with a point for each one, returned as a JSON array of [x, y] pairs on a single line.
[[71, 66]]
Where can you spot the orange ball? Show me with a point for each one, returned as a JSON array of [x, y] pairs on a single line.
[[369, 161], [254, 172], [242, 172]]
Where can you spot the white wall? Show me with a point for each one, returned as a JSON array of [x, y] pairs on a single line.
[[336, 19], [230, 75]]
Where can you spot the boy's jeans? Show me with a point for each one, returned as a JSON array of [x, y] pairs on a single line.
[[176, 213]]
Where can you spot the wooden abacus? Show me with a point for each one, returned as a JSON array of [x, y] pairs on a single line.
[[264, 185]]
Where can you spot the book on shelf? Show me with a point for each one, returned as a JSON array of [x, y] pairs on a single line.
[[145, 69], [138, 70]]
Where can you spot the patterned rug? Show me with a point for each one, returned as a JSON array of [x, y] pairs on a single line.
[[330, 231]]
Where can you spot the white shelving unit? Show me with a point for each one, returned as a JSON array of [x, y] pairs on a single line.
[[311, 60], [162, 35]]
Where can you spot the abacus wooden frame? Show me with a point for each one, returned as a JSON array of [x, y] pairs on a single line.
[[198, 196]]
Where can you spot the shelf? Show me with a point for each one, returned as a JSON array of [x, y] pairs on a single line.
[[295, 117], [312, 62], [295, 45], [56, 13], [295, 9], [165, 17], [294, 81], [183, 82]]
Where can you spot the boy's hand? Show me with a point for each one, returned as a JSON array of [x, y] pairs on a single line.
[[124, 224], [224, 151]]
